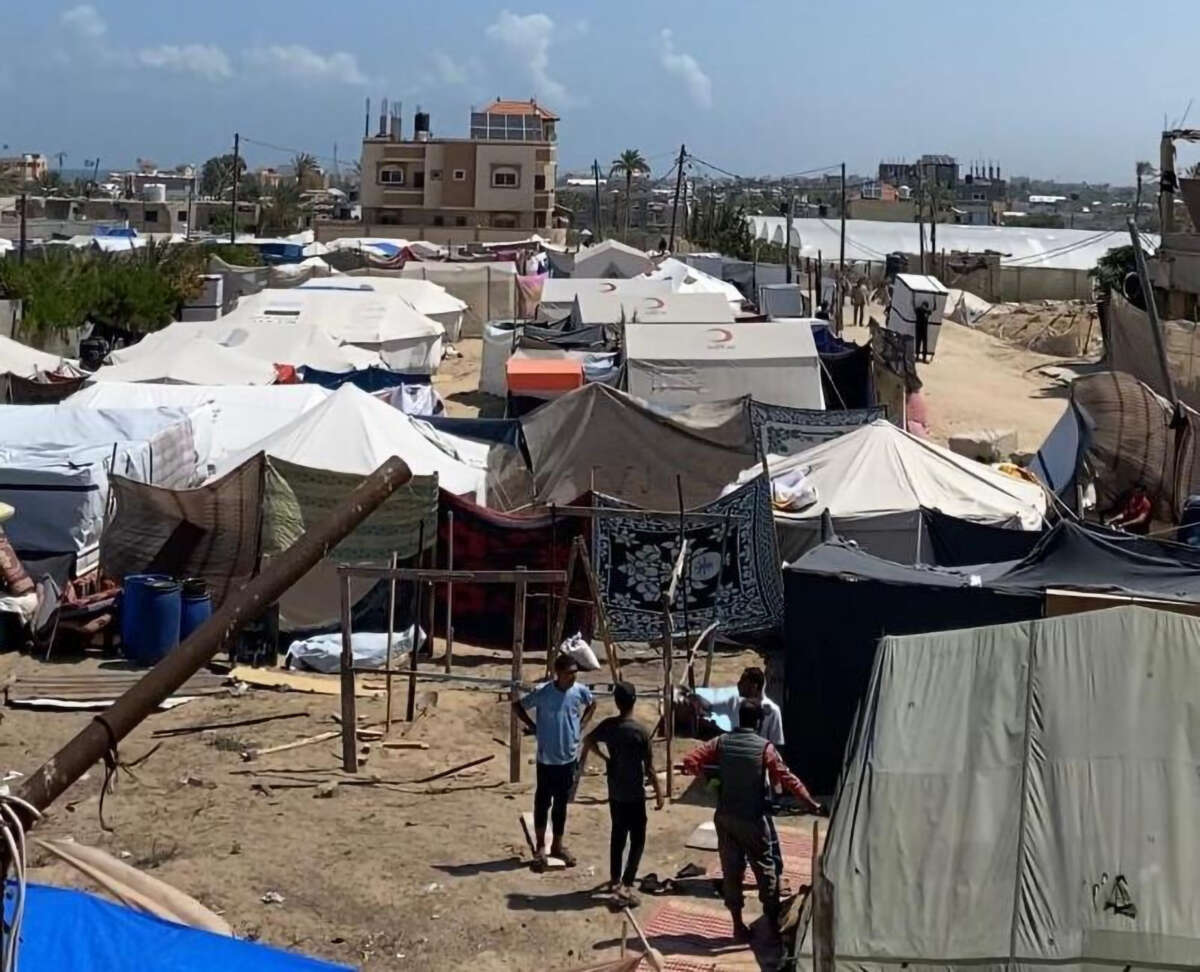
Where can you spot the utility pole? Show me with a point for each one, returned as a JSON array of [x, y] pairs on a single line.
[[599, 231], [933, 218], [236, 167], [842, 258], [921, 212], [21, 251], [1151, 310], [60, 156], [787, 233], [191, 196], [675, 205]]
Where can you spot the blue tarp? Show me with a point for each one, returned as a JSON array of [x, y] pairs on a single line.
[[122, 231], [371, 379], [273, 253], [66, 929]]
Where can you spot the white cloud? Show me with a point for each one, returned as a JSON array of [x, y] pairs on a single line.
[[298, 61], [528, 38], [686, 68], [449, 70], [84, 20], [204, 60]]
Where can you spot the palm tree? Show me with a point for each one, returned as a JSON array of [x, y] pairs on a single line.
[[306, 170], [281, 214], [629, 163], [1144, 169]]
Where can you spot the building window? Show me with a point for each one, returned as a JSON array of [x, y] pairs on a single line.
[[539, 219], [151, 216], [460, 175], [460, 220], [394, 177], [181, 216], [418, 179], [539, 183], [978, 196], [439, 220], [506, 177], [391, 217], [504, 221], [436, 175]]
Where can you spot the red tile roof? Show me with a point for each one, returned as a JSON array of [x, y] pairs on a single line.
[[530, 107]]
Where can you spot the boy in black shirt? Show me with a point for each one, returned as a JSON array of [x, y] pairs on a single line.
[[630, 761]]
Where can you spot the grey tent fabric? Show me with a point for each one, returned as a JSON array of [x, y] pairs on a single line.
[[1131, 349], [725, 423], [1024, 795], [634, 454], [784, 431]]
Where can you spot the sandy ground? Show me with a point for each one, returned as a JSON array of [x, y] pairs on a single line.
[[375, 876], [385, 877]]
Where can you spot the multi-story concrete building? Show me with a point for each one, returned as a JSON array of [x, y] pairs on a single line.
[[939, 170], [501, 177], [29, 167]]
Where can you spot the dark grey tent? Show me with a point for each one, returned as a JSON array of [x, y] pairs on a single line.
[[1024, 796]]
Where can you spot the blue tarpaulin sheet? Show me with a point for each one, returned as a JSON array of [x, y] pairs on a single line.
[[371, 379], [66, 929]]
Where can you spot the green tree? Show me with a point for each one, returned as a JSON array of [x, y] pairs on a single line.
[[50, 183], [281, 211], [216, 176], [629, 163], [307, 173]]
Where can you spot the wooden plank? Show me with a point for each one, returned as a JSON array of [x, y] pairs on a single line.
[[250, 754], [296, 681], [391, 632], [527, 827], [518, 649], [457, 576], [449, 595], [349, 709]]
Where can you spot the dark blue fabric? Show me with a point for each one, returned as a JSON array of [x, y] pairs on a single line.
[[371, 379], [281, 252], [67, 929], [494, 430]]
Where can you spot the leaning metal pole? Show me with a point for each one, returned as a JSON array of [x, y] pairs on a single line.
[[102, 734], [1151, 311]]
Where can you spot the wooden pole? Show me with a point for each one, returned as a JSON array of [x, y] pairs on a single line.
[[349, 704], [787, 235], [675, 204], [431, 594], [842, 258], [682, 537], [610, 648], [387, 664], [560, 619], [418, 589], [518, 650], [236, 173], [450, 594], [820, 281]]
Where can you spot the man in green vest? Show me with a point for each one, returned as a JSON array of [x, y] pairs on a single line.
[[745, 760]]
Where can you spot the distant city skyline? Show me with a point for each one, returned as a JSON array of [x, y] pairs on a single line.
[[769, 87]]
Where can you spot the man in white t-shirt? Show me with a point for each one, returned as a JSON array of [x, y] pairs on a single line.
[[723, 704]]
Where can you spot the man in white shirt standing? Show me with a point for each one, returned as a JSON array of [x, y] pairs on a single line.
[[724, 703]]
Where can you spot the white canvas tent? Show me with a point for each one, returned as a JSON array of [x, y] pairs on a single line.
[[691, 280], [425, 297], [20, 359], [611, 258], [241, 415], [679, 309], [55, 461], [195, 362], [488, 288], [686, 364], [559, 293], [406, 340], [910, 291], [874, 481], [1023, 796]]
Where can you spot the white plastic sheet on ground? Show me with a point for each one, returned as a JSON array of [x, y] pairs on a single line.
[[323, 653]]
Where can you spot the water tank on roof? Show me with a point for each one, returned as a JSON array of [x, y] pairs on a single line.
[[154, 192], [421, 126]]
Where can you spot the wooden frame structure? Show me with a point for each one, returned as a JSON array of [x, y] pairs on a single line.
[[521, 579]]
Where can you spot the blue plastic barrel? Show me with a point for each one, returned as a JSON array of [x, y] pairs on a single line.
[[150, 612], [196, 607]]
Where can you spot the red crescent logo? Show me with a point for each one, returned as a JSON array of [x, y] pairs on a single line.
[[655, 302], [607, 288], [726, 334]]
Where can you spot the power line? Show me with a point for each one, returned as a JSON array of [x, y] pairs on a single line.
[[285, 149]]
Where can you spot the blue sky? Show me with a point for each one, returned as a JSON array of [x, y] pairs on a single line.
[[1069, 89]]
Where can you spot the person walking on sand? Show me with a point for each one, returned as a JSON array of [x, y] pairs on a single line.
[[563, 708], [629, 761], [858, 299], [742, 758]]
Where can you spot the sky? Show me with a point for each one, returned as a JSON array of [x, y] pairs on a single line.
[[1057, 89]]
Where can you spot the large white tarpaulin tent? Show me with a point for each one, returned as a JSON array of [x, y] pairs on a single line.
[[691, 280], [195, 362], [872, 240], [678, 309], [488, 288], [559, 293], [405, 339], [686, 364], [1023, 796], [874, 481], [425, 296], [55, 461], [241, 415], [611, 258], [20, 359]]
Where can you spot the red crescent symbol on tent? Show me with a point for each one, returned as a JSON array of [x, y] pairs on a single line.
[[726, 334], [607, 288], [655, 302]]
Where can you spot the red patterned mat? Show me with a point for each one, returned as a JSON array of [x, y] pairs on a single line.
[[681, 929]]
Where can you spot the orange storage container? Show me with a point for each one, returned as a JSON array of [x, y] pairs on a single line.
[[533, 376]]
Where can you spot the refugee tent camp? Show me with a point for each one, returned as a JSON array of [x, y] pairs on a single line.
[[425, 296], [691, 280], [489, 289], [559, 293], [1058, 759], [698, 308], [195, 362], [611, 258], [20, 359], [875, 480], [683, 364]]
